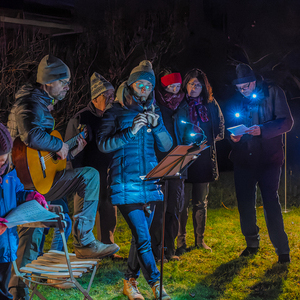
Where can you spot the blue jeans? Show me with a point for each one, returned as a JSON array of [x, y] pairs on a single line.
[[57, 243], [140, 254]]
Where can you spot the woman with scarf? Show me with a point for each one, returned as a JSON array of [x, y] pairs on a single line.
[[198, 118], [168, 97], [129, 129]]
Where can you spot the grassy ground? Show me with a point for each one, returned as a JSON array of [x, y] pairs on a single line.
[[201, 274]]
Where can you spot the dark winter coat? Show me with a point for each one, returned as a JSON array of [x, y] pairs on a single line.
[[270, 111], [133, 155], [204, 168], [90, 155], [12, 194], [32, 121]]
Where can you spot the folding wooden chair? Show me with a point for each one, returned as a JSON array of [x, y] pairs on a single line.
[[56, 268]]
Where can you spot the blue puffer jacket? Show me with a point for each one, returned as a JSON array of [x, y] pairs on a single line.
[[12, 194], [134, 155]]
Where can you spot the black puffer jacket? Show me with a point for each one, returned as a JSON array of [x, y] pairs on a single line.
[[32, 121]]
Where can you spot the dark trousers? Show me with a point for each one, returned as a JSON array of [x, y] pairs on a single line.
[[106, 219], [5, 271], [198, 192], [140, 254], [174, 204], [267, 178]]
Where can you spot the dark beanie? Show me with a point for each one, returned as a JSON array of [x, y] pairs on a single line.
[[51, 69], [244, 74], [6, 142]]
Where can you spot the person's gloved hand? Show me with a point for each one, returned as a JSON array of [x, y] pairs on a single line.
[[38, 197], [3, 227]]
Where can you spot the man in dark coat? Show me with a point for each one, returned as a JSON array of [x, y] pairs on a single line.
[[102, 95], [257, 156], [31, 120]]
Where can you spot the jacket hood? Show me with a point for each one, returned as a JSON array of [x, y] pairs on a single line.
[[35, 92], [125, 98]]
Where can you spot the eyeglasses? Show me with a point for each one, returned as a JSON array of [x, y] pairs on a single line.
[[195, 85], [65, 82], [140, 86], [243, 88]]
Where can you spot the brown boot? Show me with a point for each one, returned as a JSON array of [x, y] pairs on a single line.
[[131, 290], [203, 245], [164, 295], [96, 249]]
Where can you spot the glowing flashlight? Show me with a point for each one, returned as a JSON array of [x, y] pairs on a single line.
[[192, 134], [254, 96], [237, 115], [184, 122]]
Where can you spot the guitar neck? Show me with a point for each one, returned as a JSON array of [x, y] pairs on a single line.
[[73, 141]]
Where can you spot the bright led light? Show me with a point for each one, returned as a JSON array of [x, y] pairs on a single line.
[[184, 122], [237, 115], [192, 134], [254, 96]]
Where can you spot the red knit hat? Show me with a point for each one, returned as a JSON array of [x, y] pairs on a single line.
[[6, 142], [170, 79]]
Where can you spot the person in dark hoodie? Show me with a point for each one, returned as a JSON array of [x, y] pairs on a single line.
[[102, 95], [129, 129], [31, 120], [12, 194], [168, 97], [257, 156]]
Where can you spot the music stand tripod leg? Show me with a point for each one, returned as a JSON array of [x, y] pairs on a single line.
[[165, 182]]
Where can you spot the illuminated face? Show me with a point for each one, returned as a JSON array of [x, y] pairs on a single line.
[[173, 88], [3, 159], [194, 87], [58, 89], [104, 99], [142, 88], [246, 89]]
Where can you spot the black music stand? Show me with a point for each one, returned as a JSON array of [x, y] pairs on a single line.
[[171, 167]]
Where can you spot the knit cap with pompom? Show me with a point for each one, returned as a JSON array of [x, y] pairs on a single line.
[[143, 71], [6, 142]]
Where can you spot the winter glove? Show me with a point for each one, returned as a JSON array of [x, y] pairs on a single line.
[[38, 197], [2, 226]]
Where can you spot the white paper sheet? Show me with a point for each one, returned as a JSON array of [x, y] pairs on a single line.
[[28, 212], [238, 130]]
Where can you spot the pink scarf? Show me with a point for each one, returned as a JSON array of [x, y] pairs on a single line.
[[169, 100]]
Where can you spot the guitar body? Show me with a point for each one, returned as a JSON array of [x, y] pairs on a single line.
[[29, 167]]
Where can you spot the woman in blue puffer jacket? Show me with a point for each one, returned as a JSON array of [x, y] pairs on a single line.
[[12, 194], [130, 129]]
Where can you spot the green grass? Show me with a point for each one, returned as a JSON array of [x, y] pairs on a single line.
[[201, 274]]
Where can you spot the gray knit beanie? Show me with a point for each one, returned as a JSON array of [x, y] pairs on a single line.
[[99, 85], [51, 69], [143, 71], [244, 74], [6, 142]]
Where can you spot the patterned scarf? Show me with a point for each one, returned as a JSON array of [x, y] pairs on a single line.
[[169, 100], [194, 105]]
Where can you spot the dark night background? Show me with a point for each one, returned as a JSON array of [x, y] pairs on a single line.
[[113, 36]]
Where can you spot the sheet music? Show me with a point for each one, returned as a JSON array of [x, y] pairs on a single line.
[[28, 212], [238, 130]]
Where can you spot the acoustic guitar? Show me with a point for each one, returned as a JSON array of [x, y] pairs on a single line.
[[35, 168]]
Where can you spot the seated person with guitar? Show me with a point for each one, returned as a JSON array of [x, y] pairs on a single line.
[[30, 120]]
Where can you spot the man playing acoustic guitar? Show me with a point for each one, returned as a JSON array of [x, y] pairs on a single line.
[[31, 120]]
